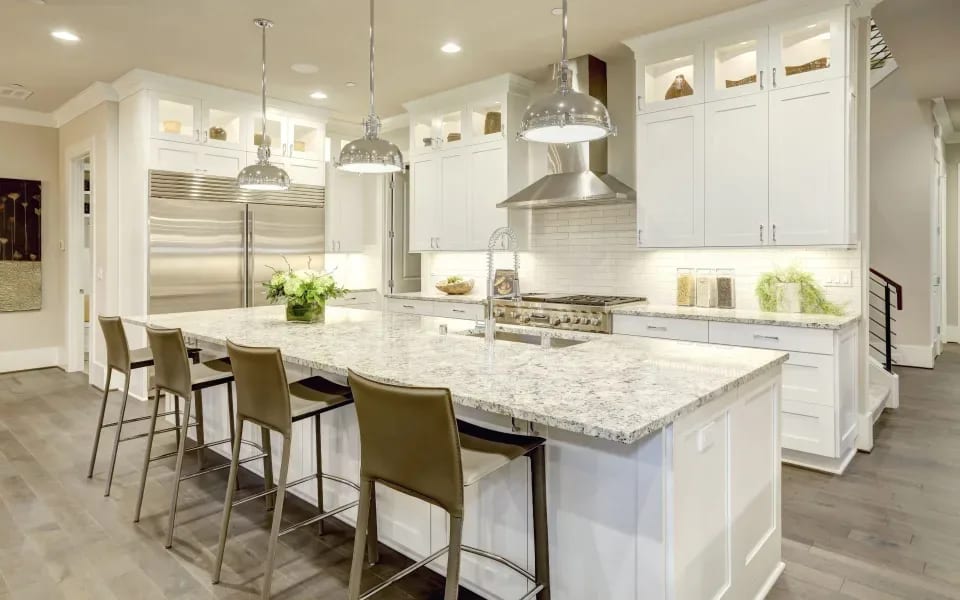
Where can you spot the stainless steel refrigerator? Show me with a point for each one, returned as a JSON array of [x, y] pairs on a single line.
[[212, 246]]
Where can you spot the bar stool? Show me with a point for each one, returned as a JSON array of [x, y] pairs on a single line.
[[411, 441], [120, 358], [175, 375], [265, 397]]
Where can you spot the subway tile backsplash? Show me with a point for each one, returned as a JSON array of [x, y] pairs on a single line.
[[593, 250]]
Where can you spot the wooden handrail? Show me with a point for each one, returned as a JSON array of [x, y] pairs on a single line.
[[896, 286]]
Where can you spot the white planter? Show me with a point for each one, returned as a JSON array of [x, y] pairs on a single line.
[[788, 297]]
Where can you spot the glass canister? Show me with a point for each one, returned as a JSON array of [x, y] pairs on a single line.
[[706, 288], [686, 287], [726, 288]]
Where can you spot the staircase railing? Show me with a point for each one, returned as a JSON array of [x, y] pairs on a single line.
[[886, 295]]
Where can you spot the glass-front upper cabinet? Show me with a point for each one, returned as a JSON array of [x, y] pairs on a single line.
[[423, 132], [737, 65], [671, 78], [487, 121], [808, 50], [305, 139], [222, 126], [452, 131], [275, 135], [176, 118]]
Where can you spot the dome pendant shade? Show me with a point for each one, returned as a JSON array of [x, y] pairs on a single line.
[[566, 116], [371, 153], [263, 176]]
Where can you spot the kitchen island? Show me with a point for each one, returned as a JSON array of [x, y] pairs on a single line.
[[663, 456]]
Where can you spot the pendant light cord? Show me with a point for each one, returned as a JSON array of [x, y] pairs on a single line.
[[563, 37], [372, 113], [263, 86]]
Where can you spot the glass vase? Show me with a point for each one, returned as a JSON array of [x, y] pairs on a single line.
[[306, 313]]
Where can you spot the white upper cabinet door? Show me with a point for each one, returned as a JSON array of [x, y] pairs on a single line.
[[736, 65], [223, 162], [222, 126], [735, 163], [175, 156], [276, 124], [303, 171], [176, 118], [425, 209], [670, 178], [488, 120], [488, 186], [344, 211], [670, 77], [808, 50], [454, 189], [807, 181], [304, 139], [424, 134], [454, 132]]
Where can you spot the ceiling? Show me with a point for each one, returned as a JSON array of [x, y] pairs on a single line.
[[924, 36], [215, 41]]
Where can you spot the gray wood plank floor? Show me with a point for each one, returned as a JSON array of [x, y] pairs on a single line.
[[890, 528]]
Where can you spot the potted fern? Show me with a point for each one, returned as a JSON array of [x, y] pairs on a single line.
[[304, 291], [793, 290]]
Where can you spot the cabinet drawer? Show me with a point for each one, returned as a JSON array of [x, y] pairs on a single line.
[[413, 307], [690, 330], [809, 378], [799, 339], [458, 310], [357, 299], [808, 427]]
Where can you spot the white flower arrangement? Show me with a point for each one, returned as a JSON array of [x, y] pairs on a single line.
[[302, 287]]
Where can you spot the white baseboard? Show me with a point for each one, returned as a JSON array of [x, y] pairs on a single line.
[[951, 333], [914, 356], [32, 358]]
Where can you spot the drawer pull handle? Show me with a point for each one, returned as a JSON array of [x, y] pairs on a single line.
[[656, 327], [772, 338], [459, 310], [352, 298], [408, 306]]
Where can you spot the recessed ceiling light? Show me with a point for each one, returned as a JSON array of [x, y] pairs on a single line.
[[67, 36], [351, 84], [318, 95], [305, 68], [451, 48], [556, 12]]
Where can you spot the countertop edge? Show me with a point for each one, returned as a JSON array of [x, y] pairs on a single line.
[[430, 297], [759, 318]]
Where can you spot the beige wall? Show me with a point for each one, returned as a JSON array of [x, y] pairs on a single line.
[[97, 127], [901, 177], [952, 270], [30, 152]]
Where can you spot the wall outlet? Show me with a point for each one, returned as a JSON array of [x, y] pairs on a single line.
[[837, 278]]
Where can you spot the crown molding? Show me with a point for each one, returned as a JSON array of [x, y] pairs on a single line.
[[942, 117], [22, 116], [97, 93]]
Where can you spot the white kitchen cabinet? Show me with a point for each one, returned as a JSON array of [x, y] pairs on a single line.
[[223, 125], [470, 311], [819, 408], [737, 64], [670, 77], [670, 178], [290, 136], [366, 299], [301, 171], [195, 158], [488, 186], [808, 49], [735, 172], [344, 204], [425, 205], [462, 164], [808, 200], [175, 118]]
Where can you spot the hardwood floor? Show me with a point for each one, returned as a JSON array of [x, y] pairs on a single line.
[[889, 528]]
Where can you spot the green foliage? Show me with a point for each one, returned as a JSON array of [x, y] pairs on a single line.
[[454, 279], [812, 297], [302, 287]]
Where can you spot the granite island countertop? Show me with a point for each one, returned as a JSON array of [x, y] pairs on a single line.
[[736, 315], [613, 387]]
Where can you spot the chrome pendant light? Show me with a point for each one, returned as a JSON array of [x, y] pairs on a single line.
[[566, 116], [263, 176], [371, 153]]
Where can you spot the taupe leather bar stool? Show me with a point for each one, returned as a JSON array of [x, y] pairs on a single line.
[[175, 375], [265, 397], [411, 441], [125, 361]]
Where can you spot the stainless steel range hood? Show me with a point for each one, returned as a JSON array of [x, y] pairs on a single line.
[[577, 173]]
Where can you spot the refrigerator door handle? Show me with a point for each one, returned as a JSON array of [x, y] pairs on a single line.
[[246, 256], [251, 252]]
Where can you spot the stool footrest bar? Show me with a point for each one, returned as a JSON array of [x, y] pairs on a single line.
[[207, 445], [403, 573], [317, 518], [164, 430], [220, 467], [503, 561], [272, 490]]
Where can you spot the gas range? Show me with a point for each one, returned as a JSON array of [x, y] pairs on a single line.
[[573, 312]]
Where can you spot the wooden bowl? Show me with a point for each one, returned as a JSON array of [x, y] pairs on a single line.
[[455, 289]]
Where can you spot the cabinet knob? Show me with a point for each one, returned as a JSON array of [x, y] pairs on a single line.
[[774, 77], [761, 232], [761, 79], [774, 232]]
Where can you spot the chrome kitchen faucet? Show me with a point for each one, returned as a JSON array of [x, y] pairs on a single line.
[[490, 321]]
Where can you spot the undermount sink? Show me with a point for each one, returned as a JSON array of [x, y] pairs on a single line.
[[529, 338]]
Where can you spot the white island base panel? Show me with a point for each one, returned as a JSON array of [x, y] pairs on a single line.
[[690, 512]]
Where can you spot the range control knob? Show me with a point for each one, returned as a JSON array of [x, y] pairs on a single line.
[[575, 320], [595, 321], [555, 321], [525, 318], [565, 319], [498, 313]]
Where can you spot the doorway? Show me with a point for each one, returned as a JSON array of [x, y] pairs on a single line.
[[938, 254], [81, 304]]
